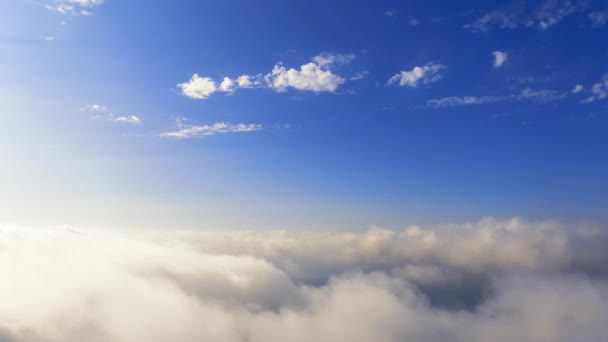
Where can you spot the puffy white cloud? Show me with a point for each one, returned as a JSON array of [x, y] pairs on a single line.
[[529, 282], [75, 7], [192, 131], [577, 89], [314, 76], [100, 112], [198, 87], [227, 85], [599, 91], [500, 58], [419, 74]]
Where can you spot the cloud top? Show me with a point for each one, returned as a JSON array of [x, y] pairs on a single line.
[[499, 280]]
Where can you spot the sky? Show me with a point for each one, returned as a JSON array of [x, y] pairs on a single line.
[[315, 115]]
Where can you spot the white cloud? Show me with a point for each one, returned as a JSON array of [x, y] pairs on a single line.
[[198, 87], [192, 131], [419, 74], [578, 88], [100, 112], [74, 7], [244, 81], [517, 281], [227, 85], [314, 76], [500, 58], [49, 38], [599, 91]]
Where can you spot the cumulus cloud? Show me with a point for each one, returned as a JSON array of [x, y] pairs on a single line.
[[315, 76], [187, 131], [526, 281], [500, 58], [546, 15], [599, 91], [419, 74], [74, 7], [100, 112]]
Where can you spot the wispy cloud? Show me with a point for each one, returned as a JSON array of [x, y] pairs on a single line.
[[548, 14], [74, 7], [419, 74], [100, 112], [187, 131], [598, 18], [599, 91], [315, 76], [537, 96]]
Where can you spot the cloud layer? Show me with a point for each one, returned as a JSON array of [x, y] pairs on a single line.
[[490, 280]]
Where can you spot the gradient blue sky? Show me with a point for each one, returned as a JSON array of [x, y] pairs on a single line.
[[460, 138]]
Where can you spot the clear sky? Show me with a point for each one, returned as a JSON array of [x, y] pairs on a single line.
[[302, 114]]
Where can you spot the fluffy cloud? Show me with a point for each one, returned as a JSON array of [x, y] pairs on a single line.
[[490, 280], [315, 76], [186, 131], [500, 58], [599, 91], [104, 113], [419, 74], [74, 7]]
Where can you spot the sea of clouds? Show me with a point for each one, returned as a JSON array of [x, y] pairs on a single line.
[[492, 280]]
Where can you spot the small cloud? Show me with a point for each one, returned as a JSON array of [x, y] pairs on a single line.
[[599, 18], [391, 13], [100, 112], [187, 131], [599, 91], [500, 58], [49, 38], [413, 22], [315, 76], [359, 75], [420, 74], [578, 88]]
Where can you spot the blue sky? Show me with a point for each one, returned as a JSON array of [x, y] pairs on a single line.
[[287, 114]]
